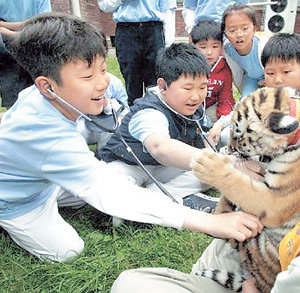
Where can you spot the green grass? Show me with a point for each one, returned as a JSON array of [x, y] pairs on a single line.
[[107, 252]]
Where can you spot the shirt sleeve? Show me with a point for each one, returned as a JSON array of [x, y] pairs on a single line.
[[109, 6], [44, 6], [71, 165], [147, 122], [190, 4], [288, 279], [163, 5]]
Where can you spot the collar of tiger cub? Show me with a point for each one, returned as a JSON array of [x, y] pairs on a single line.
[[295, 112]]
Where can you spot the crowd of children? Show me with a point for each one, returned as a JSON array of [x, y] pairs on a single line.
[[47, 160]]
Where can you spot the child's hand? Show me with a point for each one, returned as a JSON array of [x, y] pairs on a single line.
[[237, 225], [215, 132], [249, 286]]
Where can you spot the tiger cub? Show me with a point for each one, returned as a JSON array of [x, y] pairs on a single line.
[[261, 126]]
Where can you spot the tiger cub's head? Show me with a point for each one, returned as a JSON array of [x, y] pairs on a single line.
[[261, 124]]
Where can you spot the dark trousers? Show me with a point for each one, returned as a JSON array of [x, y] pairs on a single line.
[[137, 45], [13, 78]]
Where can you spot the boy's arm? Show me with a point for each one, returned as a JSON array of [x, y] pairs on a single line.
[[237, 225], [9, 29], [14, 26], [170, 152], [188, 14], [100, 185]]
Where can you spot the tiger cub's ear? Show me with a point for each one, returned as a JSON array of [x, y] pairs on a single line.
[[281, 123]]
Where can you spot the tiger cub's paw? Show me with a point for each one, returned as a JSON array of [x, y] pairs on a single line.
[[210, 167]]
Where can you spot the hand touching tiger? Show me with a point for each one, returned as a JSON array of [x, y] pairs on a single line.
[[208, 166], [262, 127]]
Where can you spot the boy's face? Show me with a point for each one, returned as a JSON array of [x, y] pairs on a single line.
[[83, 87], [186, 94], [279, 73], [212, 49]]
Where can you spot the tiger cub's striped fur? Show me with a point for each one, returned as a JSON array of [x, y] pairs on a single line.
[[261, 126]]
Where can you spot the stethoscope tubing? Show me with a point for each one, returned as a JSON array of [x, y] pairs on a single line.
[[116, 130]]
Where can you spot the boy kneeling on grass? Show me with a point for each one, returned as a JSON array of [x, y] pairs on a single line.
[[46, 163]]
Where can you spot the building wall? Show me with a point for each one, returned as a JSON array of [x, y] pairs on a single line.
[[91, 12]]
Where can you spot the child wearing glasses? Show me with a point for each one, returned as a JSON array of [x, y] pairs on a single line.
[[243, 47]]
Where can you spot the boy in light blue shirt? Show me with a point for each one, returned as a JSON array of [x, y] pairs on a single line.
[[45, 161]]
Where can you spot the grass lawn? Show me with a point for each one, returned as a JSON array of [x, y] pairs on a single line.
[[107, 252]]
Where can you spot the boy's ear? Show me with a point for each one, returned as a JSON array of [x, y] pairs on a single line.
[[161, 84], [43, 83]]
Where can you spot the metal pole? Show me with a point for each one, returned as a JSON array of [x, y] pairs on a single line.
[[76, 8]]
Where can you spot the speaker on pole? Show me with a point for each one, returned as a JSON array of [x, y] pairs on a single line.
[[280, 16]]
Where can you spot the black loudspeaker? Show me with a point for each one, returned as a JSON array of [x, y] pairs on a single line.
[[280, 17]]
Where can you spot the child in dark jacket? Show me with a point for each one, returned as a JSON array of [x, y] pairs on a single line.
[[158, 132]]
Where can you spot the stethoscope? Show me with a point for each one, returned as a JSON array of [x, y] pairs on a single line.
[[115, 129], [194, 120]]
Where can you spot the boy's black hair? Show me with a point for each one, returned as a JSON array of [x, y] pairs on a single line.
[[206, 29], [49, 41], [180, 59], [243, 8], [282, 46]]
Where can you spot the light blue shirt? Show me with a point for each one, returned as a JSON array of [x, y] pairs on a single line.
[[250, 63], [147, 122], [40, 149], [19, 10], [210, 9], [172, 4], [117, 90], [141, 10], [150, 121]]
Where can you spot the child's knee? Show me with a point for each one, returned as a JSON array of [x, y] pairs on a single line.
[[65, 253], [127, 282], [69, 253]]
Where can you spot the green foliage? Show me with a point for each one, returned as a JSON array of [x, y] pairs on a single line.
[[108, 251], [113, 67]]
